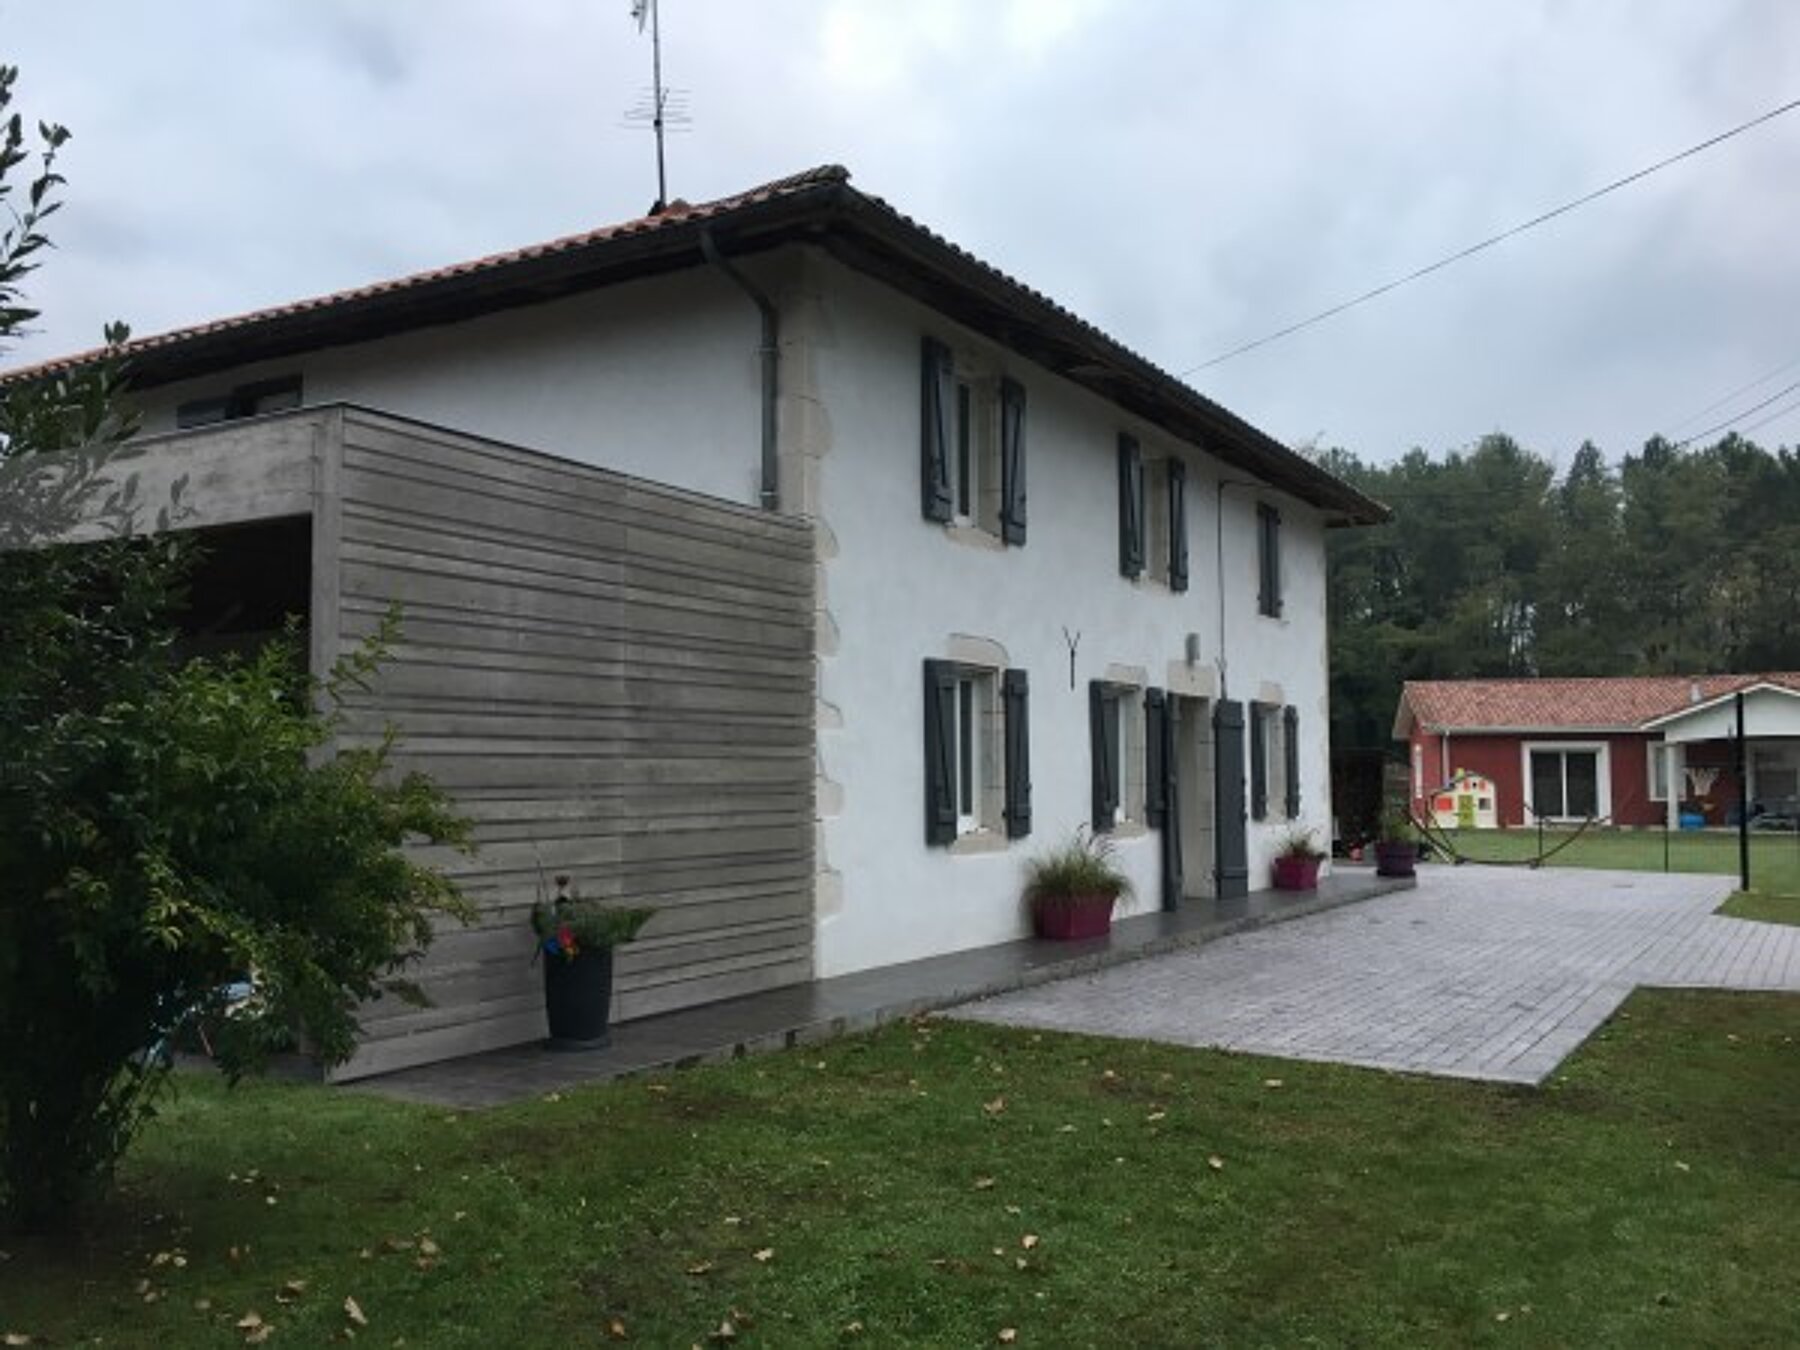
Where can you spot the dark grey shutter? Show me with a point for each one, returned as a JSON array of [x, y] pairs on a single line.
[[1259, 762], [1131, 507], [940, 752], [1231, 873], [937, 433], [1012, 462], [1290, 750], [1155, 772], [1016, 693], [1174, 866], [1268, 534], [1178, 540], [1103, 743]]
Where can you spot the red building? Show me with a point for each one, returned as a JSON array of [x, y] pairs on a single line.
[[1571, 749]]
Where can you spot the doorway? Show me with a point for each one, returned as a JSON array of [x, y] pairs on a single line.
[[1194, 777]]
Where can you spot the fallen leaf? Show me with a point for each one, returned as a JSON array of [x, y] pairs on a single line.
[[1021, 1262], [700, 1267], [994, 1107], [1029, 1241], [984, 1183], [427, 1247], [616, 1329], [261, 1334], [397, 1244], [553, 1097], [731, 1219], [853, 1328], [1216, 1163], [1682, 1167], [1501, 1316], [290, 1291], [203, 1305], [353, 1310], [15, 1338], [766, 1255], [1271, 1082], [1157, 1115], [656, 1087], [1065, 1129], [726, 1331], [1007, 1336]]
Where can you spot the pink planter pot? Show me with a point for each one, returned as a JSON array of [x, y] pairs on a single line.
[[1296, 874], [1084, 916]]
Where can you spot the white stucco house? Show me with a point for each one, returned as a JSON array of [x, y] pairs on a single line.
[[1019, 580]]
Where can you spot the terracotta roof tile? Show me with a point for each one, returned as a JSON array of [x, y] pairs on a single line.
[[1624, 701], [677, 212]]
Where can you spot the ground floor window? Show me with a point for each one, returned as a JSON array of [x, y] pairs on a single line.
[[1565, 782], [1775, 776], [1659, 770]]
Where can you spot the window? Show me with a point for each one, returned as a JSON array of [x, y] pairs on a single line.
[[247, 400], [1274, 760], [1268, 560], [1775, 778], [1116, 735], [972, 445], [1658, 770], [1175, 504], [1131, 507], [977, 752], [1566, 782], [1164, 512]]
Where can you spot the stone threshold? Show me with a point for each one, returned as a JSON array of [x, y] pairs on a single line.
[[821, 1010]]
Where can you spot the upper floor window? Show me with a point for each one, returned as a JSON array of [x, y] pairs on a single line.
[[247, 400], [1133, 539], [1268, 560], [972, 445]]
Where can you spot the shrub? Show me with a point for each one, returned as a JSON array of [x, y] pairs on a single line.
[[1080, 868]]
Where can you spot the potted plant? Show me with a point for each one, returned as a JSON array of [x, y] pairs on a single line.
[[1072, 889], [575, 942], [1397, 845], [1297, 865]]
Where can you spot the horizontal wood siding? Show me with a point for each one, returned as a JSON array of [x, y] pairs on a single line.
[[614, 680]]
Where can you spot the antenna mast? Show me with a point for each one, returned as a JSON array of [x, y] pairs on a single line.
[[661, 111]]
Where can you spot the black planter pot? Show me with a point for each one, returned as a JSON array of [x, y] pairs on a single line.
[[577, 999], [1396, 858]]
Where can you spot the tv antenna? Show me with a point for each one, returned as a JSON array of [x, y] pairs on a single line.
[[659, 106]]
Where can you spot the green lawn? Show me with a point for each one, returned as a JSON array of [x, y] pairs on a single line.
[[937, 1184], [1774, 857], [1767, 906]]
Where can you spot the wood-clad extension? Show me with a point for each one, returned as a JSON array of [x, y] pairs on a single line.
[[612, 678]]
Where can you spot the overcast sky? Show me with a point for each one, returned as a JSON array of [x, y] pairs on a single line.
[[1187, 175]]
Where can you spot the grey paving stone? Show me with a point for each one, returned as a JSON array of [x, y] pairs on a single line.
[[1495, 973]]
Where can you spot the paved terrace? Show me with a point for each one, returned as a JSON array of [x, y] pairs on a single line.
[[851, 1003], [1481, 972]]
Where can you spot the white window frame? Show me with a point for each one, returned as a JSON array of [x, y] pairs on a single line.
[[1602, 773], [975, 450], [1656, 766], [980, 785], [1275, 759]]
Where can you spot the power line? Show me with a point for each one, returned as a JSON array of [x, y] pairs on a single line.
[[1735, 418], [1744, 389], [1489, 242], [1764, 421]]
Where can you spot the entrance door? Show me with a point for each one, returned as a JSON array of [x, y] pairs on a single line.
[[1194, 792]]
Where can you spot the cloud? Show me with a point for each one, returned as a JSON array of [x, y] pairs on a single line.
[[1187, 175]]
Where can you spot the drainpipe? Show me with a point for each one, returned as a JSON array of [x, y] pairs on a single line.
[[1219, 569], [771, 365]]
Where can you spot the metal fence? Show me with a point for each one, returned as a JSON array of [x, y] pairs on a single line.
[[1774, 851]]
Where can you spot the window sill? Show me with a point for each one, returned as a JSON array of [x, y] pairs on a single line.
[[975, 536], [1128, 829], [978, 841]]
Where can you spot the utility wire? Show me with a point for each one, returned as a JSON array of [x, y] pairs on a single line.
[[1691, 418], [1735, 418], [1487, 243], [1764, 421]]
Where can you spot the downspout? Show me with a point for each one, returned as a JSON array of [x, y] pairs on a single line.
[[771, 365]]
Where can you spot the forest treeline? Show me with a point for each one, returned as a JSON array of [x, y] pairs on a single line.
[[1677, 560]]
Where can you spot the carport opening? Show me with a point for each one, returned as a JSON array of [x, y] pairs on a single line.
[[250, 584]]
